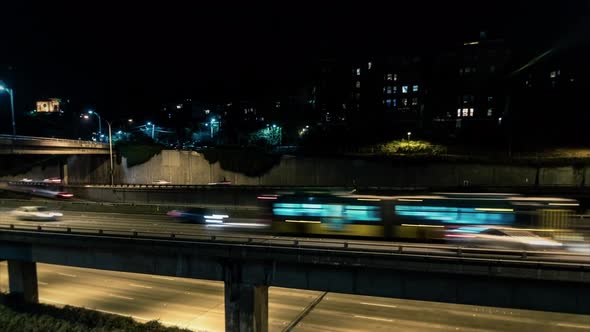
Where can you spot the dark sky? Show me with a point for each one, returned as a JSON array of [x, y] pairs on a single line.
[[126, 56]]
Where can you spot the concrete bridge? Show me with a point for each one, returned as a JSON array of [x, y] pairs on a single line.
[[249, 265], [10, 144]]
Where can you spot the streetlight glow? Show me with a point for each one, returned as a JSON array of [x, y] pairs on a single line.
[[149, 123], [11, 94]]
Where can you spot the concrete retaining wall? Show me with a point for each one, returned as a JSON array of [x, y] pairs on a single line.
[[188, 167]]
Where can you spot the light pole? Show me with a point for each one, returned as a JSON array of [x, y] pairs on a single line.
[[109, 123], [99, 122], [3, 87], [212, 122], [153, 128], [409, 135], [111, 152]]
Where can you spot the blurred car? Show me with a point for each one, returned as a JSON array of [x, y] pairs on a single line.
[[36, 213], [197, 215], [220, 183], [161, 182], [52, 180], [26, 180], [500, 237]]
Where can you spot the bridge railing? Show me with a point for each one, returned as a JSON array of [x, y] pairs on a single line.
[[37, 138], [554, 258]]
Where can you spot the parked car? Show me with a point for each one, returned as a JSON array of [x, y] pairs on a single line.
[[40, 213]]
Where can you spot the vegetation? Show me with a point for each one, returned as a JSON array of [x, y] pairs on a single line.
[[15, 316], [246, 160], [406, 147], [138, 153]]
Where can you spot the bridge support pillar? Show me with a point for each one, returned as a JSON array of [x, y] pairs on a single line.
[[22, 280], [246, 305]]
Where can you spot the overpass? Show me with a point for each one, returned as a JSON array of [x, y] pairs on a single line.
[[11, 145], [248, 265]]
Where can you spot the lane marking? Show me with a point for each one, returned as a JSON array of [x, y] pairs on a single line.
[[163, 278], [140, 286], [67, 275], [374, 318], [379, 305], [121, 296], [577, 326]]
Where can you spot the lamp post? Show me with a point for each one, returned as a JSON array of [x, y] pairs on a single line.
[[409, 135], [3, 87], [212, 122], [109, 123], [99, 122], [153, 128], [111, 152]]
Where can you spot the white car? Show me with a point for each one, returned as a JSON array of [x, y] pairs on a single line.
[[36, 213], [500, 237], [161, 182]]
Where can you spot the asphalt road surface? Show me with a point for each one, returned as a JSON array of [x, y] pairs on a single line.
[[198, 305], [242, 228]]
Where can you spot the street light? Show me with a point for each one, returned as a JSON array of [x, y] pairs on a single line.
[[99, 121], [153, 127], [409, 135], [3, 87], [109, 123]]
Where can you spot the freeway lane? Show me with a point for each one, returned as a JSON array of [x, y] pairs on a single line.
[[198, 305], [162, 225]]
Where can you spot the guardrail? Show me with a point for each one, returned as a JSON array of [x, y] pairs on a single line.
[[37, 138], [357, 247]]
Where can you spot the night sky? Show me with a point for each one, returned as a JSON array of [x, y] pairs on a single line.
[[124, 57]]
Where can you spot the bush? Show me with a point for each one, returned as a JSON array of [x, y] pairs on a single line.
[[409, 147], [18, 316]]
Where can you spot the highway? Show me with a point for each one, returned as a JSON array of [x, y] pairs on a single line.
[[241, 229], [198, 305]]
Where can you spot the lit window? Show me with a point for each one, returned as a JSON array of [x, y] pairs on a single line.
[[471, 112], [458, 112], [358, 72], [414, 101], [553, 74], [405, 101], [388, 102], [465, 112], [394, 102], [369, 65], [490, 112], [179, 106], [415, 88], [395, 89], [405, 89], [358, 84], [207, 111], [467, 69], [395, 77], [389, 77], [490, 99], [389, 90], [357, 96]]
